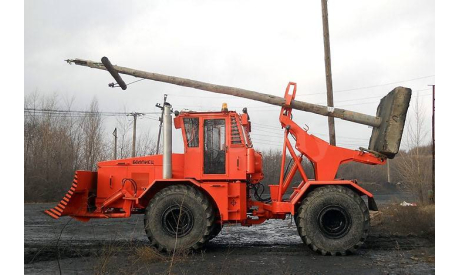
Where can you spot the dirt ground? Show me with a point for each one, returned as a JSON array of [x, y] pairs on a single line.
[[119, 246]]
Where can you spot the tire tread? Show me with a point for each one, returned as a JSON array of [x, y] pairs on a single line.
[[318, 193], [195, 194]]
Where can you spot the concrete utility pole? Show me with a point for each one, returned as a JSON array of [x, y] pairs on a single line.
[[266, 98], [161, 121], [388, 123], [134, 115], [433, 145], [115, 147], [327, 61]]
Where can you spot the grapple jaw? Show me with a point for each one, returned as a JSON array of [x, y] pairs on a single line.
[[392, 111], [80, 199]]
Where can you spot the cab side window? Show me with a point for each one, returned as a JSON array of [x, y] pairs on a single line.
[[191, 126]]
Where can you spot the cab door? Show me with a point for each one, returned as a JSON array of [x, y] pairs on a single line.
[[193, 147], [215, 148]]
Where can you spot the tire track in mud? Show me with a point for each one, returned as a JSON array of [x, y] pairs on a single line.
[[123, 235], [273, 247], [48, 252]]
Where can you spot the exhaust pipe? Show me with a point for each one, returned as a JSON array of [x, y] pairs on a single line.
[[167, 141]]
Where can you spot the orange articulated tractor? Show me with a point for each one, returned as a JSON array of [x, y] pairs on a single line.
[[187, 198]]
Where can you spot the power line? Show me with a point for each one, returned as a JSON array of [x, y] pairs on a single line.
[[276, 108], [371, 102], [65, 115], [274, 143], [373, 86], [338, 101], [56, 115], [78, 112], [338, 91], [341, 137], [278, 134], [151, 118], [267, 143], [267, 133], [195, 96], [266, 140], [266, 126], [365, 98], [134, 115]]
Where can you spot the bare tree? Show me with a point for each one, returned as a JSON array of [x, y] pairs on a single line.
[[363, 172], [146, 144], [272, 168], [47, 154], [74, 125], [413, 166], [124, 137], [92, 148], [56, 143]]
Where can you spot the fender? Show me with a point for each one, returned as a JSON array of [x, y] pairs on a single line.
[[311, 185], [217, 193], [159, 184]]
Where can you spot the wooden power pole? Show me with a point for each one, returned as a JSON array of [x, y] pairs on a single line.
[[115, 145], [134, 115], [327, 61], [433, 146], [161, 121]]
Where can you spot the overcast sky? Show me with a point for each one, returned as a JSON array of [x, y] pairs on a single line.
[[256, 45]]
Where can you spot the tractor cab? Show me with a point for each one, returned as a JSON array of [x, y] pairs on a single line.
[[217, 146]]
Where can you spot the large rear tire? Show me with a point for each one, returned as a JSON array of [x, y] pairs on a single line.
[[333, 220], [179, 218], [216, 228]]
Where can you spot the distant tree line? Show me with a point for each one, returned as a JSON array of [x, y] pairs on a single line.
[[56, 144], [403, 171]]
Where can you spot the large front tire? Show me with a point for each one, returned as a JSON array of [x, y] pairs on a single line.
[[178, 218], [333, 220]]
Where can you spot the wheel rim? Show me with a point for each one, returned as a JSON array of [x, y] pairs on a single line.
[[334, 221], [177, 220]]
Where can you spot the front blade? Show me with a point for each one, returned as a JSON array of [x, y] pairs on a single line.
[[79, 200]]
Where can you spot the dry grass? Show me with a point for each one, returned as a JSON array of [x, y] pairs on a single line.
[[416, 220], [139, 261], [148, 254], [105, 259]]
